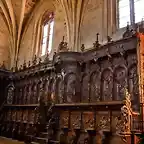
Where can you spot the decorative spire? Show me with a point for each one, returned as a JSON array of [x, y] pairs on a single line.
[[128, 32], [34, 60], [40, 60], [24, 65], [46, 58], [109, 39], [29, 64], [3, 65], [82, 48], [63, 46], [96, 44]]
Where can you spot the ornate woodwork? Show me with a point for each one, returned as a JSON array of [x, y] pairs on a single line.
[[76, 95]]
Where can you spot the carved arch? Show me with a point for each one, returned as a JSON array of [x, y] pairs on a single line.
[[85, 88], [133, 86], [60, 89], [106, 84], [46, 88], [95, 86], [72, 88], [120, 82], [52, 88], [10, 94]]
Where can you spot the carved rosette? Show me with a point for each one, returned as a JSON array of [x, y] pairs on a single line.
[[64, 120], [75, 120], [88, 120]]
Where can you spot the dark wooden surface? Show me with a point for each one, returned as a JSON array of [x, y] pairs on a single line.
[[74, 92]]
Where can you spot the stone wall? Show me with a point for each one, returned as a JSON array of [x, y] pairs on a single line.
[[4, 42], [83, 17], [30, 43]]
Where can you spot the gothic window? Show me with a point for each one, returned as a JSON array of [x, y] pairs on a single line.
[[130, 11], [47, 34]]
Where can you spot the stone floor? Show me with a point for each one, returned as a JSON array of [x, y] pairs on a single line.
[[9, 141]]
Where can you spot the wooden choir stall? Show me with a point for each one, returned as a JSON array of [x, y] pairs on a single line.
[[83, 97]]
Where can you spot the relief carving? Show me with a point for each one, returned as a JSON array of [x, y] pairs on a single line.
[[107, 85], [9, 115], [71, 88], [35, 97], [88, 120], [103, 120], [75, 120], [134, 88], [64, 120], [10, 94], [60, 91], [29, 92], [25, 95], [14, 113], [95, 87], [46, 90], [85, 89], [120, 83]]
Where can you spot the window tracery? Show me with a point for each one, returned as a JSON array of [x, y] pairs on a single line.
[[130, 11], [47, 33]]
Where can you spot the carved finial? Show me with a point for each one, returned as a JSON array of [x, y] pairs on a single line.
[[29, 64], [24, 65], [35, 60], [128, 32], [46, 58], [82, 48], [128, 26], [3, 65], [109, 39], [21, 67], [63, 39], [40, 60], [63, 46], [96, 44], [141, 26]]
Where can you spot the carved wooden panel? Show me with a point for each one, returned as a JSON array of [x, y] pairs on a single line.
[[75, 120], [9, 115], [46, 89], [34, 98], [31, 116], [120, 83], [85, 89], [60, 91], [88, 119], [25, 115], [25, 94], [95, 87], [134, 87], [71, 88], [14, 113], [103, 120], [107, 85], [64, 119], [116, 121], [10, 95], [19, 115]]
